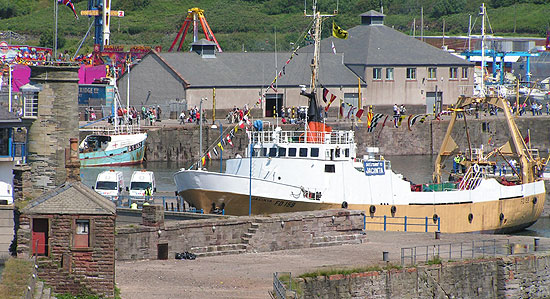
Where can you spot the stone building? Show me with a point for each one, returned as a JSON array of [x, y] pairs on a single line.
[[72, 231], [399, 69], [179, 80], [51, 102]]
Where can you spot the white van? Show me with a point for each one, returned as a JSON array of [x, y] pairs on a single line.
[[6, 194], [140, 181], [110, 183]]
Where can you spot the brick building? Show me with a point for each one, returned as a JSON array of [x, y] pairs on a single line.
[[72, 231]]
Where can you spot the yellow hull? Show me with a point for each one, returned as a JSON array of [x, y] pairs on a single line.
[[502, 216]]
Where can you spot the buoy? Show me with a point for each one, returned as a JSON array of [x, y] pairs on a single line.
[[344, 205], [393, 209], [470, 217]]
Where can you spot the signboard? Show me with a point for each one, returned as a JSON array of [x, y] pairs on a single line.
[[94, 12], [90, 91], [374, 167], [117, 13]]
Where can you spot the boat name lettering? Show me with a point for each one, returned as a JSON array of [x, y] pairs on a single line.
[[286, 204], [374, 167], [134, 147]]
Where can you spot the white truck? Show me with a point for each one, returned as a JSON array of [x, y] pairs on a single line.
[[110, 184], [140, 181], [6, 194]]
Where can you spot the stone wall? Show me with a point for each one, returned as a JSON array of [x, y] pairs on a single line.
[[182, 143], [6, 230], [510, 277], [263, 233], [57, 121], [71, 270]]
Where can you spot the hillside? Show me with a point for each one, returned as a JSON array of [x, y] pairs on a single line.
[[251, 24]]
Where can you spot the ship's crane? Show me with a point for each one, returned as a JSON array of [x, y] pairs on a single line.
[[195, 15]]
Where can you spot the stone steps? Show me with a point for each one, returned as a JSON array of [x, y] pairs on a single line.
[[338, 240], [216, 253]]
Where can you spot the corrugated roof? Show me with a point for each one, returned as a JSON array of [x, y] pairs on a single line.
[[71, 198], [256, 69], [380, 45]]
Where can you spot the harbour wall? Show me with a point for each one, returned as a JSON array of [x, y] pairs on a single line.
[[181, 143], [509, 277], [237, 234]]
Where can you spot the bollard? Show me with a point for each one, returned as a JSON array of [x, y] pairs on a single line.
[[385, 256], [437, 235], [172, 206], [166, 206], [179, 207], [536, 241]]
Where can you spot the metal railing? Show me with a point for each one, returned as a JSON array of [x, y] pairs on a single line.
[[405, 223], [280, 290], [466, 250], [120, 129], [274, 136], [170, 203], [472, 178]]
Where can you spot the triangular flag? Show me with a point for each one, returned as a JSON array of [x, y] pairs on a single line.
[[215, 151], [229, 140], [333, 48], [325, 93], [241, 124], [209, 156], [236, 128], [203, 159], [220, 145], [360, 113]]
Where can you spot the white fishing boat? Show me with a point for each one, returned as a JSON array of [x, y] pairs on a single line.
[[119, 145], [318, 168]]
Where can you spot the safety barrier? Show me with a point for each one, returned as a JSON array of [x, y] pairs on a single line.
[[466, 250], [405, 222], [170, 203], [280, 290]]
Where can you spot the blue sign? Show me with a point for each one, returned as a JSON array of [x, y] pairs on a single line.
[[374, 167], [91, 91]]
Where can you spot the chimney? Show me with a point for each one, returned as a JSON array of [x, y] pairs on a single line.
[[72, 163]]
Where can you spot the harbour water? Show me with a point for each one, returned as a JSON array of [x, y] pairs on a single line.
[[417, 169]]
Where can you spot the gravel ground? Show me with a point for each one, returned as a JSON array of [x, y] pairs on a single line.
[[251, 275]]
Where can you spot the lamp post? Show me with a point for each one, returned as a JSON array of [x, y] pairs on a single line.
[[9, 89], [200, 127], [221, 139]]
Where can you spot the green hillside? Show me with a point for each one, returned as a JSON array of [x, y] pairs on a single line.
[[251, 24]]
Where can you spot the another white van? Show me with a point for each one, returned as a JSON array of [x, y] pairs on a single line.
[[110, 183], [6, 194], [140, 181]]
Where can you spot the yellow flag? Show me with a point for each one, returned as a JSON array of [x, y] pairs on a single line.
[[220, 145], [339, 32]]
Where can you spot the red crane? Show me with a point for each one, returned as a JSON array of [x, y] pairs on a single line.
[[195, 15]]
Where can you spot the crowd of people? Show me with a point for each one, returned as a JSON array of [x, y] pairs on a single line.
[[193, 116]]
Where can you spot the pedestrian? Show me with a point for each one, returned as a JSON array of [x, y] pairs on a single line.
[[158, 112], [547, 108], [395, 115], [182, 117]]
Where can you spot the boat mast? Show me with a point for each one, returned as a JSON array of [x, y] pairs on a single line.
[[482, 13]]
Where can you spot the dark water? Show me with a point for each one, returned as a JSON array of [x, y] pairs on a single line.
[[417, 169]]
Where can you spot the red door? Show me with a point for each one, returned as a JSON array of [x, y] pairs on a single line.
[[40, 236]]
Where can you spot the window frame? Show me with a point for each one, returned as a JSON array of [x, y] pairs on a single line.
[[377, 73], [389, 73], [78, 235], [453, 73], [411, 74], [303, 152], [432, 73], [464, 73]]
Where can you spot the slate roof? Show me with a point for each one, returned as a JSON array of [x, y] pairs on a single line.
[[380, 45], [71, 198], [255, 69], [11, 119]]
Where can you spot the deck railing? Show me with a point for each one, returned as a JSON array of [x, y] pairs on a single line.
[[274, 136]]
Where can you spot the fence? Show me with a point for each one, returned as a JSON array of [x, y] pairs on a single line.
[[279, 289], [466, 250], [170, 203], [405, 223]]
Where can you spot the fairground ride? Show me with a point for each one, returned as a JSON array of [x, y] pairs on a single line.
[[194, 15]]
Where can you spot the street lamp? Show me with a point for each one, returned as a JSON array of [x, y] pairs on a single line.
[[200, 126], [221, 139]]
